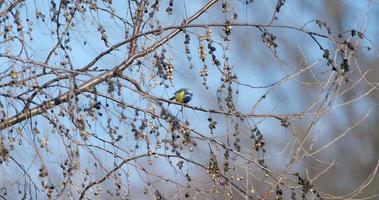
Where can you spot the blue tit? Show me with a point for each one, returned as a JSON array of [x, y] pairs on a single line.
[[183, 95]]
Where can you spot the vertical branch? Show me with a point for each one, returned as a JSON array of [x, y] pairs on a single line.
[[137, 25]]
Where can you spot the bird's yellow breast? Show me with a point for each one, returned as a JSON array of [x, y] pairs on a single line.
[[179, 96]]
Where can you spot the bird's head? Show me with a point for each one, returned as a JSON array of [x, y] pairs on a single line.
[[187, 95], [188, 92]]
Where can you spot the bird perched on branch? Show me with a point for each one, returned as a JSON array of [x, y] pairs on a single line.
[[183, 95]]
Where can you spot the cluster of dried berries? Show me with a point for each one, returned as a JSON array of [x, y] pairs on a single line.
[[40, 15], [213, 169], [258, 141], [7, 30], [212, 124], [118, 185], [278, 193], [185, 131], [165, 68], [180, 164], [154, 8], [204, 74], [202, 53], [153, 126], [263, 165], [111, 87], [187, 40], [227, 81], [306, 186], [169, 8], [269, 39], [349, 45], [104, 35], [284, 122], [229, 99], [140, 133], [173, 126], [236, 133], [329, 59], [345, 65], [18, 22], [225, 6], [354, 33], [212, 49], [279, 5], [229, 74], [46, 186], [92, 108], [226, 160], [81, 126], [68, 172], [112, 132], [227, 30], [293, 194], [53, 11], [158, 195], [4, 152]]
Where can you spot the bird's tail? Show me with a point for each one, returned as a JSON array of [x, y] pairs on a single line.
[[172, 98]]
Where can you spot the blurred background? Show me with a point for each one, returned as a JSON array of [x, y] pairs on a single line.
[[302, 75]]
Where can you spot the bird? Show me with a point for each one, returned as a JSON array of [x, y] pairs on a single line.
[[183, 95]]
